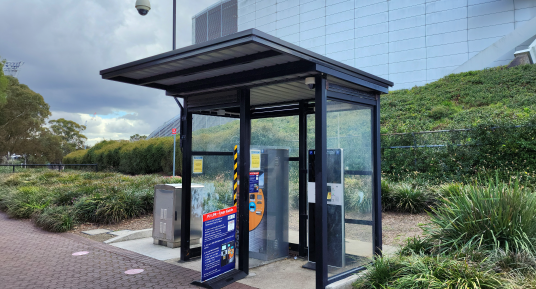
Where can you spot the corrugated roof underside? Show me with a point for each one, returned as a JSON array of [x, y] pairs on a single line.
[[282, 92], [185, 61]]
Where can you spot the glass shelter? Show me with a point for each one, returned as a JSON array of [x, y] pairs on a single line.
[[305, 129]]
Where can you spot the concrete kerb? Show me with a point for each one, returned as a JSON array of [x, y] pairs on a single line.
[[131, 236], [345, 283]]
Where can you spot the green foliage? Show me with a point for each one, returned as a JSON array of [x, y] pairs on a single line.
[[417, 245], [25, 201], [499, 215], [55, 219], [140, 157], [137, 137], [3, 83], [462, 100], [420, 271], [495, 105], [21, 119], [70, 133], [406, 197], [57, 201]]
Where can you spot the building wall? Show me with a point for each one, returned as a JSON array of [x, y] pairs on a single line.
[[410, 42]]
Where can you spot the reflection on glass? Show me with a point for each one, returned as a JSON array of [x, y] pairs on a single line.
[[215, 133], [349, 131]]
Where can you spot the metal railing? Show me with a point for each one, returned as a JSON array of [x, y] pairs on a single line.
[[59, 167]]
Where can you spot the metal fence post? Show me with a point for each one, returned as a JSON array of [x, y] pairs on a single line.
[[13, 168]]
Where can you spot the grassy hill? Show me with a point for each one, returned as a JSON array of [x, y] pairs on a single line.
[[462, 100]]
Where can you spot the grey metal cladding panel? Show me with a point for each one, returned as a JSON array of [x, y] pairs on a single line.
[[201, 28], [229, 19], [214, 23]]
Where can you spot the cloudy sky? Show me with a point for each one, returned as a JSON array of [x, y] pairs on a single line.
[[65, 43]]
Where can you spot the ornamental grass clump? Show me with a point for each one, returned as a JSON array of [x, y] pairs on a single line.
[[424, 272], [406, 198], [55, 219], [496, 216], [58, 201]]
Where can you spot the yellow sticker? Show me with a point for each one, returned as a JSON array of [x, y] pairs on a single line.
[[198, 164], [329, 195], [255, 160]]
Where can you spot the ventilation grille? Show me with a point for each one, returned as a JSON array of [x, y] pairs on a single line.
[[214, 23], [218, 21], [201, 28], [229, 18]]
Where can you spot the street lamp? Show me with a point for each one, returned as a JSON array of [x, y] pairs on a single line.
[[143, 7]]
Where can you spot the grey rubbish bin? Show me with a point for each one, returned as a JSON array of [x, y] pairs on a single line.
[[167, 215]]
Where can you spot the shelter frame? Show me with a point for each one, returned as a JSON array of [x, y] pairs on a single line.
[[250, 75]]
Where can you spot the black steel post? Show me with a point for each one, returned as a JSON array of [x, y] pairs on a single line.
[[377, 199], [96, 168], [302, 249], [186, 201], [13, 168], [321, 193], [243, 193], [174, 22]]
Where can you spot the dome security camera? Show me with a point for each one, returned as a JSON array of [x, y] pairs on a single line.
[[310, 82], [143, 7]]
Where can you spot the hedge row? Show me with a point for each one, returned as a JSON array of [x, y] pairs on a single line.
[[499, 147], [141, 157]]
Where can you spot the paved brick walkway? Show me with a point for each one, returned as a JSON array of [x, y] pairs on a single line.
[[32, 258]]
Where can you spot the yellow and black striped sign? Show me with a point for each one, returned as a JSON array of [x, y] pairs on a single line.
[[235, 172]]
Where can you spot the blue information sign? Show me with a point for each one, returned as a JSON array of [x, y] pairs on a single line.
[[218, 251]]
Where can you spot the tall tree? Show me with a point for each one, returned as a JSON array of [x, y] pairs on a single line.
[[70, 133], [21, 117], [137, 137], [3, 83]]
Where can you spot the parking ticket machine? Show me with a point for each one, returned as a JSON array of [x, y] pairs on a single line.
[[335, 208], [268, 205]]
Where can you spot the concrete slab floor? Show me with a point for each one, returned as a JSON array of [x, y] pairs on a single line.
[[285, 273], [146, 247]]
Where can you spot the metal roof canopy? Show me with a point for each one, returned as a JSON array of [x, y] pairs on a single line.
[[273, 69], [249, 75]]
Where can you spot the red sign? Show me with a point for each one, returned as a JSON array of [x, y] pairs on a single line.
[[173, 131], [219, 214]]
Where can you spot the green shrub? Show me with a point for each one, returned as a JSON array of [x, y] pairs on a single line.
[[140, 157], [450, 189], [387, 193], [25, 201], [427, 272], [55, 219], [417, 245], [498, 215], [409, 199]]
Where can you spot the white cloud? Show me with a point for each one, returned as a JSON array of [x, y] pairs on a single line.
[[65, 44]]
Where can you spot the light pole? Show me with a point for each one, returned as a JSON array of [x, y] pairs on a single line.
[[143, 7]]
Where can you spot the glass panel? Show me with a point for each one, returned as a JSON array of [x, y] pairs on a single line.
[[277, 132], [349, 201], [293, 202], [215, 133], [213, 172], [217, 181], [273, 141]]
